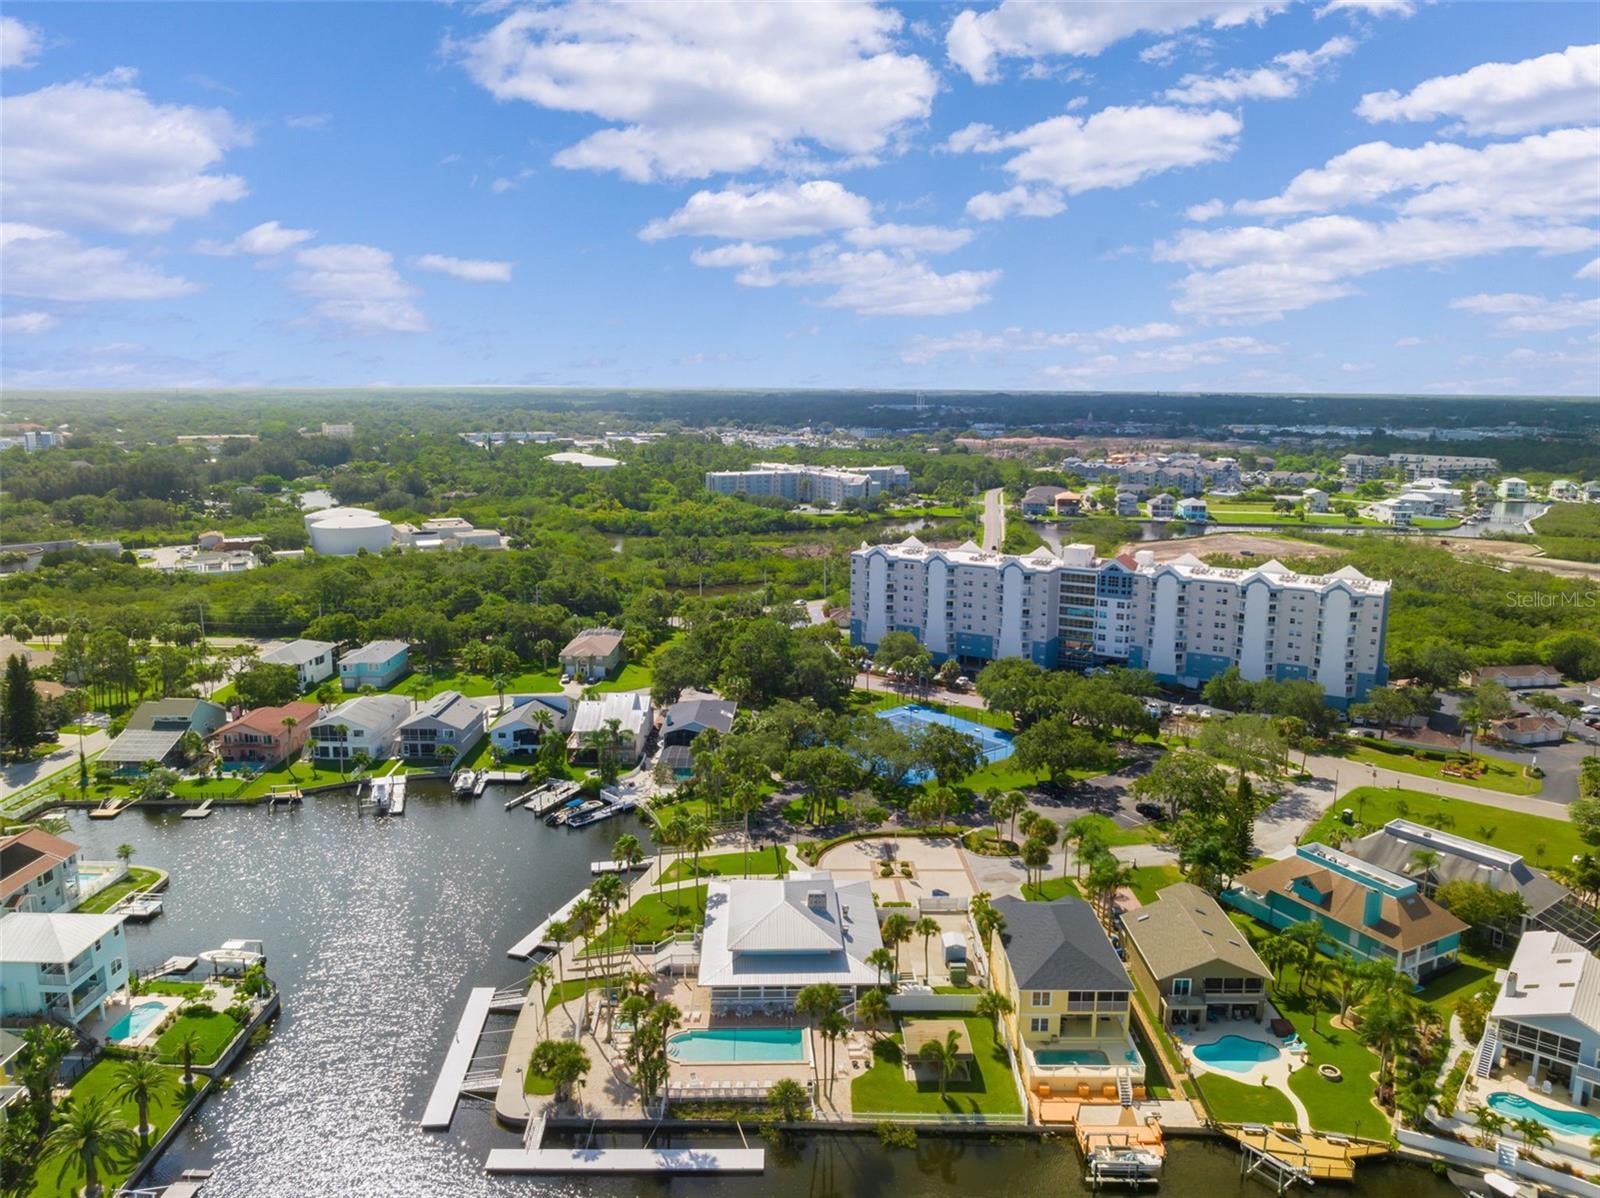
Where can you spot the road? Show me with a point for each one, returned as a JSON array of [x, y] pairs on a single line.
[[994, 518]]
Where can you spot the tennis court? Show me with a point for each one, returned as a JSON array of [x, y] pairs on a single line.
[[993, 744]]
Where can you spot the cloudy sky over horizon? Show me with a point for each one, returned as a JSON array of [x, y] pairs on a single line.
[[1336, 195]]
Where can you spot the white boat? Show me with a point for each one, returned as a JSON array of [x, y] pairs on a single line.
[[463, 782], [378, 795], [1124, 1162], [235, 956]]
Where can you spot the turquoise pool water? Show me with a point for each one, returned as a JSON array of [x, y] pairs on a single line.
[[1236, 1053], [137, 1021], [1078, 1056], [720, 1046], [1573, 1123]]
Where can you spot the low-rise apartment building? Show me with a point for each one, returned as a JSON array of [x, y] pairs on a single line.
[[829, 485]]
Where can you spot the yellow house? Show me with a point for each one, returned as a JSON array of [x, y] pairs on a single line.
[[1069, 992]]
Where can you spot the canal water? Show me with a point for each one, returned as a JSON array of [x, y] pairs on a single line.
[[376, 929]]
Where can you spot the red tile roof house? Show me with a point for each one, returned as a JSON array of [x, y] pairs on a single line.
[[259, 738]]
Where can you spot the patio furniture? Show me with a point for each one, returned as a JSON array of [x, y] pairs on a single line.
[[1546, 1088]]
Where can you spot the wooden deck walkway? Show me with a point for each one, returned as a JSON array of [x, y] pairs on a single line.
[[1312, 1156], [441, 1106]]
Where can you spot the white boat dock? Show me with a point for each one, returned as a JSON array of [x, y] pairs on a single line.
[[397, 796], [658, 1161], [525, 948], [558, 794], [614, 867], [519, 800], [201, 812], [504, 777], [441, 1106]]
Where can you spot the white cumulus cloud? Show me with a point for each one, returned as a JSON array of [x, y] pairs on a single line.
[[101, 153], [48, 264], [471, 270], [1024, 29], [745, 212], [357, 286], [1499, 98], [1114, 147], [19, 43], [28, 324], [263, 241], [920, 239], [1016, 201], [692, 90], [876, 283], [1279, 80], [1515, 312]]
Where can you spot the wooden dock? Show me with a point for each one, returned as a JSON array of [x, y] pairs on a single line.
[[441, 1106], [1282, 1155], [534, 940], [110, 809], [201, 812], [503, 777], [615, 867], [660, 1162], [558, 794]]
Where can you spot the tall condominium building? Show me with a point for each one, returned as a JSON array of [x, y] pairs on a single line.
[[1362, 466], [809, 484], [1183, 620]]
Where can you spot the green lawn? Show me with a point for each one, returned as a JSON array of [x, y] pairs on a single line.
[[1498, 775], [213, 1030], [989, 1089], [174, 988], [1472, 970], [420, 684], [1235, 1102], [537, 1083], [78, 729], [137, 879], [1543, 841], [1051, 888], [1112, 834], [633, 677], [1147, 879], [99, 1081], [662, 913], [298, 773], [766, 860], [568, 990]]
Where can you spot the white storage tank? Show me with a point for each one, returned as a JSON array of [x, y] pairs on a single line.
[[343, 531]]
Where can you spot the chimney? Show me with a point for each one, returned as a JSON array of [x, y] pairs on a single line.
[[1511, 982]]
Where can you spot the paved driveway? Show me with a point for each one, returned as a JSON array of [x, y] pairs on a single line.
[[936, 864]]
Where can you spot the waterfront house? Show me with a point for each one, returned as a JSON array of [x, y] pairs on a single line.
[[1564, 490], [1070, 996], [1040, 501], [690, 716], [1512, 488], [260, 738], [594, 654], [312, 660], [1188, 955], [368, 724], [155, 732], [1315, 499], [1545, 1025], [634, 722], [1363, 910], [59, 966], [523, 728], [764, 939], [1191, 509], [446, 727], [1068, 503], [378, 664], [1127, 503], [1433, 858], [1517, 677], [1162, 506], [38, 872]]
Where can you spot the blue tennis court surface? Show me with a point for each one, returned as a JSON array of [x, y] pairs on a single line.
[[993, 744]]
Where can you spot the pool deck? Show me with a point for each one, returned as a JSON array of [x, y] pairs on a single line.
[[114, 1009], [1505, 1081], [1274, 1073]]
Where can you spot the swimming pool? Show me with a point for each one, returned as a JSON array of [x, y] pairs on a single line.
[[745, 1045], [1078, 1056], [993, 744], [136, 1022], [1236, 1054], [1573, 1123]]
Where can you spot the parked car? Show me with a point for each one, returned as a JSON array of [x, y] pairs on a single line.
[[1149, 810]]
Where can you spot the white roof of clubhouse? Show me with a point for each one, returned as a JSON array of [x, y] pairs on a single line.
[[1551, 976], [796, 931], [55, 938], [629, 708]]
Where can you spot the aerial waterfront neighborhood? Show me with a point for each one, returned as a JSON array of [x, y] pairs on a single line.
[[805, 599]]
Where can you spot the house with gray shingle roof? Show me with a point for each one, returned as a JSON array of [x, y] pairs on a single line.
[[1187, 952]]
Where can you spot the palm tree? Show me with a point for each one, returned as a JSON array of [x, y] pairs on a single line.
[[1083, 835], [188, 1048], [945, 1055], [626, 850], [1423, 863], [882, 960], [1533, 1132], [897, 929], [787, 1100], [142, 1081], [1277, 953], [289, 724], [673, 832], [1490, 1122], [558, 932], [500, 684], [833, 1027], [1107, 875], [746, 802], [44, 1047], [1035, 857], [539, 977], [992, 1005], [927, 927], [697, 838], [815, 1003], [89, 1135], [872, 1008]]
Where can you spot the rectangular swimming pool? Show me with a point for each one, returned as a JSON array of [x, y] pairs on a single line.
[[729, 1045]]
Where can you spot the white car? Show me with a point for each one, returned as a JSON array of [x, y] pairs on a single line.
[[1591, 709]]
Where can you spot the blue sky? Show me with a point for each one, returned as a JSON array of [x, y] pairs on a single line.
[[1223, 194]]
